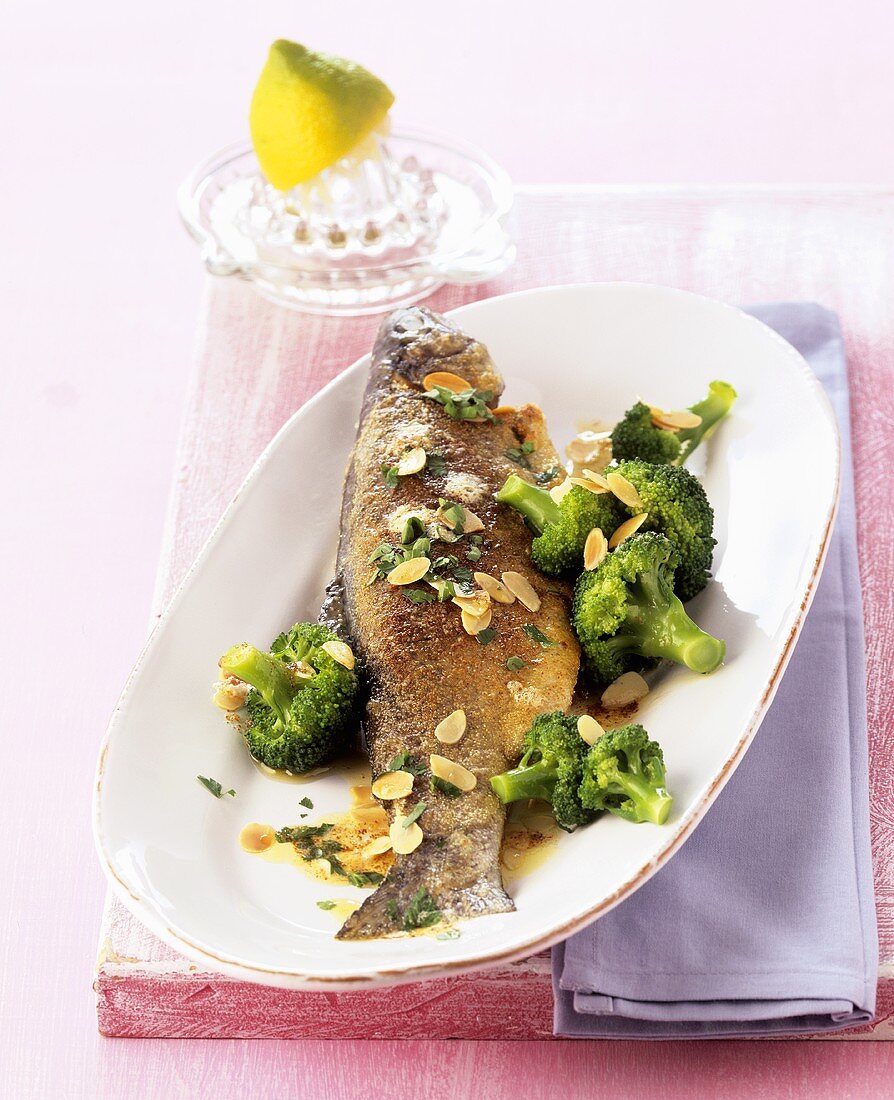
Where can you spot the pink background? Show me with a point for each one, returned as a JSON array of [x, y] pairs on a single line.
[[104, 108]]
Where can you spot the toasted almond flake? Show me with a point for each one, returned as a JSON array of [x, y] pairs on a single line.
[[229, 693], [404, 839], [373, 816], [340, 652], [447, 380], [411, 462], [362, 796], [504, 410], [627, 528], [450, 729], [497, 591], [598, 479], [301, 670], [589, 729], [409, 571], [595, 549], [476, 604], [392, 785], [522, 589], [590, 447], [451, 772], [560, 491], [629, 688], [471, 523], [675, 421], [586, 483], [376, 847], [623, 490], [474, 624]]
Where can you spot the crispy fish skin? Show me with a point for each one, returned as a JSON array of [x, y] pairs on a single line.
[[419, 662]]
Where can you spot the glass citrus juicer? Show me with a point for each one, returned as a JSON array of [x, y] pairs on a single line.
[[329, 210]]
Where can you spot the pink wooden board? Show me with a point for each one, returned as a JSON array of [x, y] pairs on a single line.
[[257, 363]]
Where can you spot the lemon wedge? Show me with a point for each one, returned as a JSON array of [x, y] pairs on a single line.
[[309, 110]]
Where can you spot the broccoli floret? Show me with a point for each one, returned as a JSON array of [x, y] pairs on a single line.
[[625, 610], [624, 774], [562, 528], [677, 507], [635, 436], [301, 706], [551, 768]]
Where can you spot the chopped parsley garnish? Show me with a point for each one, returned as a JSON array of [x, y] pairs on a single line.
[[537, 635], [414, 814], [454, 514], [445, 787], [514, 664], [326, 904], [306, 803], [214, 787], [422, 912], [302, 834], [405, 762], [547, 475], [485, 637], [519, 455], [365, 878], [436, 465], [413, 528], [419, 595], [470, 404], [390, 475], [473, 552]]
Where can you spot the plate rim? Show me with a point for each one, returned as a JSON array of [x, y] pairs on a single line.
[[294, 978]]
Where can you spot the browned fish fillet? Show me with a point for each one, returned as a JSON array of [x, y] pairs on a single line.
[[420, 663]]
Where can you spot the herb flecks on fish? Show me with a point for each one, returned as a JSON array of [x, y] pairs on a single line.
[[470, 405], [519, 455]]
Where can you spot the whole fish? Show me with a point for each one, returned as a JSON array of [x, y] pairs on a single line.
[[420, 660]]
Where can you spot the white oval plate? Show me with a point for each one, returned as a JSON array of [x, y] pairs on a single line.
[[171, 850]]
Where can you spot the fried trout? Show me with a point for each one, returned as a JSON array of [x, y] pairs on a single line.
[[420, 662]]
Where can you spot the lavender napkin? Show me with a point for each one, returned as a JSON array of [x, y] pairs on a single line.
[[764, 922]]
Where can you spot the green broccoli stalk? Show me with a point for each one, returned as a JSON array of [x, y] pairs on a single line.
[[624, 774], [635, 436], [551, 769], [712, 410], [302, 705], [625, 611], [677, 507], [562, 528]]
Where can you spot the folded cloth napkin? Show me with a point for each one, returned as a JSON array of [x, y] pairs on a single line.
[[764, 922]]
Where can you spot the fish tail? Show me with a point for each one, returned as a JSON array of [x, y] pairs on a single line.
[[394, 904]]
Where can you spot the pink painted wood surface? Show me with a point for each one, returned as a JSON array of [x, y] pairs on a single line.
[[256, 364]]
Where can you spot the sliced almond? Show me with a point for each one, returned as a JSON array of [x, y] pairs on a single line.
[[598, 479], [595, 549], [497, 591], [587, 483], [560, 491], [301, 670], [361, 796], [229, 694], [377, 847], [409, 571], [470, 523], [675, 421], [504, 410], [476, 604], [522, 589], [447, 380], [451, 772], [587, 445], [393, 785], [589, 729], [627, 689], [340, 652], [373, 816], [450, 729], [474, 624], [411, 462], [404, 839], [623, 490], [627, 528]]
